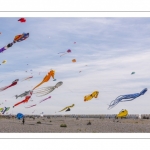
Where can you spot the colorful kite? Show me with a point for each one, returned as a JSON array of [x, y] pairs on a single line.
[[19, 116], [39, 102], [5, 109], [25, 100], [68, 51], [46, 78], [122, 114], [124, 98], [23, 94], [6, 87], [46, 90], [22, 20], [28, 78], [73, 60], [68, 108], [93, 95], [18, 38]]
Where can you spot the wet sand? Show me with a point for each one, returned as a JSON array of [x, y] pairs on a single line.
[[52, 125]]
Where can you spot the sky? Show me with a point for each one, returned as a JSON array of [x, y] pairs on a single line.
[[107, 51]]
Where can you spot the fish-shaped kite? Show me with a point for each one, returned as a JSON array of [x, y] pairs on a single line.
[[46, 90], [23, 94], [25, 100], [17, 38], [6, 87]]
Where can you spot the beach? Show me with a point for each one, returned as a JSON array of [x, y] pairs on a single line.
[[74, 125]]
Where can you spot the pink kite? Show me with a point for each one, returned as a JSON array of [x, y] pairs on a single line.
[[68, 51], [6, 87]]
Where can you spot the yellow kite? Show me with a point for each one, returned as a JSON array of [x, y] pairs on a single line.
[[122, 114], [93, 95], [68, 108]]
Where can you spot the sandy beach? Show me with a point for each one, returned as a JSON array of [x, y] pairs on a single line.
[[52, 125]]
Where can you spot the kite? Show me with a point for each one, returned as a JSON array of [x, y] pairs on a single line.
[[1, 109], [45, 99], [4, 61], [68, 108], [19, 116], [6, 87], [124, 98], [28, 78], [68, 51], [46, 78], [122, 114], [22, 20], [93, 95], [39, 102], [133, 73], [25, 100], [74, 42], [18, 38], [46, 90], [23, 94], [5, 109], [31, 106], [73, 60]]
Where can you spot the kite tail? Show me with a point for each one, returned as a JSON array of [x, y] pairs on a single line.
[[38, 85], [63, 54], [4, 88], [18, 103]]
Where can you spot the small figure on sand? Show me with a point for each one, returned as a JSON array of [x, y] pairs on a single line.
[[23, 121]]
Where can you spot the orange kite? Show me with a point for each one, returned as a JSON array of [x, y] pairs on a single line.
[[46, 78]]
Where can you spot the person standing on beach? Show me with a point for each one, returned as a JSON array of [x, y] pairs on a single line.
[[23, 121]]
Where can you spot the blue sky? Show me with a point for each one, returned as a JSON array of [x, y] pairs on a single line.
[[111, 48]]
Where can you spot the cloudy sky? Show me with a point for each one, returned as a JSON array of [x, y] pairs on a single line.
[[107, 51]]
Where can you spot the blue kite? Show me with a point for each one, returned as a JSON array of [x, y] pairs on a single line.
[[19, 116], [124, 98]]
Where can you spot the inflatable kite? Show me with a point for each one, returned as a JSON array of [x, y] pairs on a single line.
[[19, 116], [124, 98], [6, 87], [28, 78], [93, 95], [46, 78], [122, 114], [25, 100], [73, 60], [18, 38], [46, 90], [23, 94], [4, 61], [39, 102], [133, 73], [67, 108], [5, 109], [64, 53], [22, 20]]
